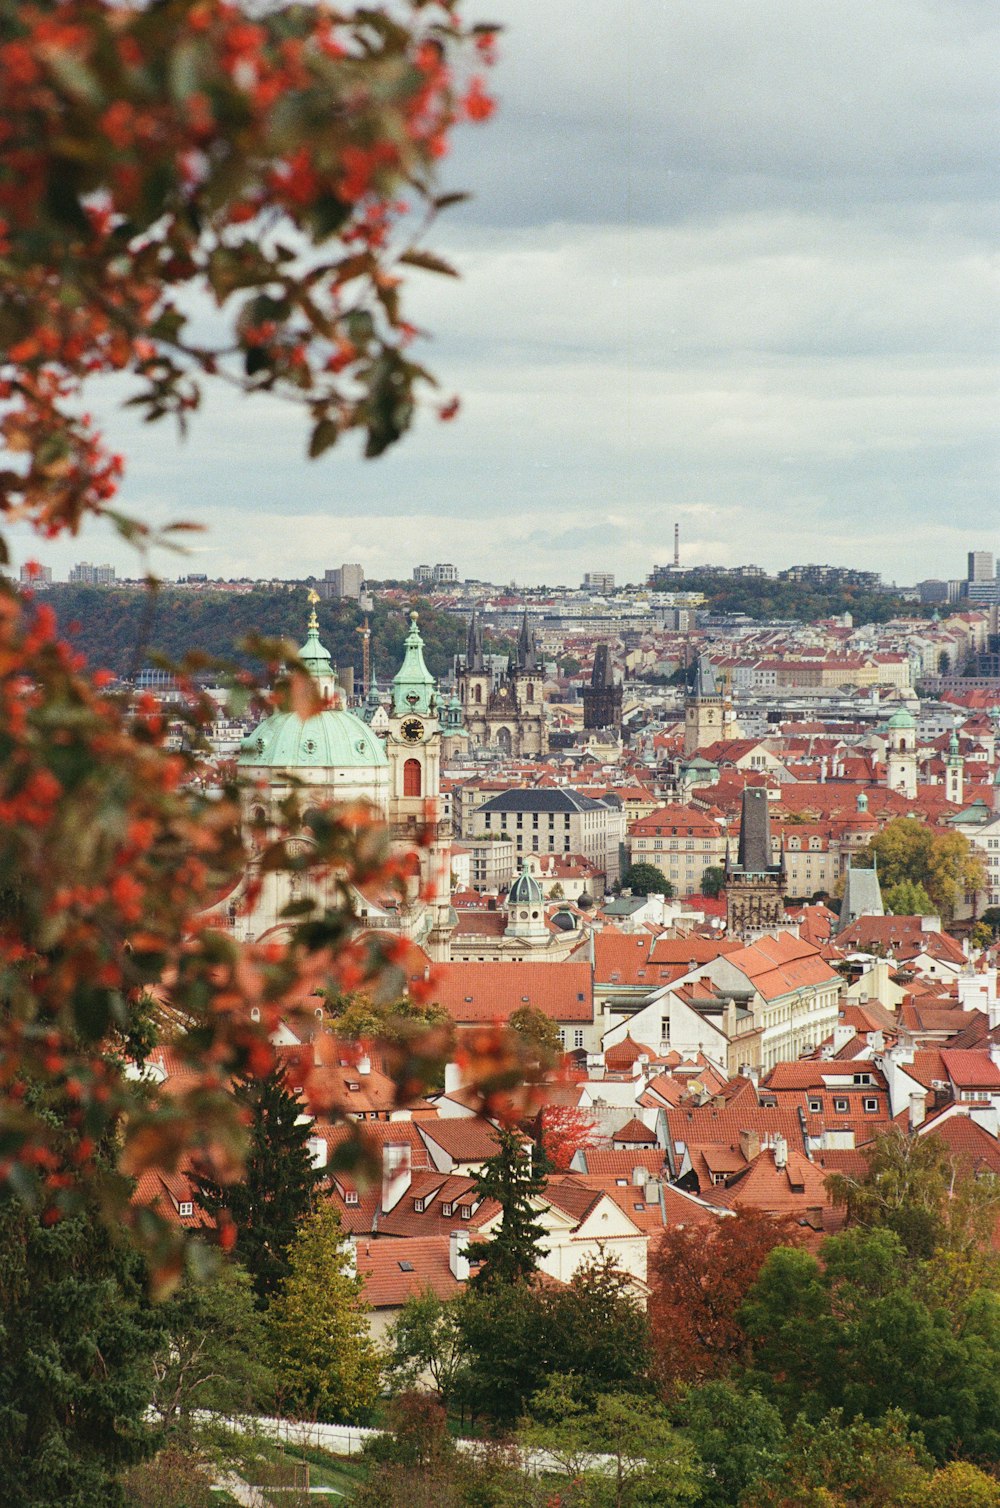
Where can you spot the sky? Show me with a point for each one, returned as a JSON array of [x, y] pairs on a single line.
[[728, 265]]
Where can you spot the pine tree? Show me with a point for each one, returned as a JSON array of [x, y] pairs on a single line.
[[512, 1177], [326, 1364], [278, 1188], [76, 1338]]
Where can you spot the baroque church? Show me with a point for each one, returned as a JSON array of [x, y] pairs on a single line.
[[508, 714], [336, 757]]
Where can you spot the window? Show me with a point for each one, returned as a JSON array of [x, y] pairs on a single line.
[[841, 1106], [466, 1211], [578, 1037], [871, 1104], [418, 1205], [351, 1197], [412, 778], [406, 1266], [446, 1209], [185, 1207], [815, 1106]]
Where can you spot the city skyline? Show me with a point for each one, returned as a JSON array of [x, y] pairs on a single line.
[[719, 269]]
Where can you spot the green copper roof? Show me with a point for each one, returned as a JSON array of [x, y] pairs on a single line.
[[413, 686], [331, 739], [902, 719], [314, 655], [525, 891]]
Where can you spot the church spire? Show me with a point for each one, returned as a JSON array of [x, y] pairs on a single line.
[[474, 645], [413, 686], [527, 649]]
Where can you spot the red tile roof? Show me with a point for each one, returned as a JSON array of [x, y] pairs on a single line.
[[478, 992], [394, 1269]]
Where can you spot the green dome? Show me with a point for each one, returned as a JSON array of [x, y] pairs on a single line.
[[525, 891], [902, 719], [331, 739]]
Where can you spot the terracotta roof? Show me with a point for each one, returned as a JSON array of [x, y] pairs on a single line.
[[465, 1138], [782, 964], [971, 1070], [478, 992], [635, 1131], [393, 1269]]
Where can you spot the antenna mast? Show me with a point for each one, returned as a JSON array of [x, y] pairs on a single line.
[[366, 658]]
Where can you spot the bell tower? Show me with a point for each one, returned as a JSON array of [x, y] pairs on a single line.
[[704, 711], [413, 744]]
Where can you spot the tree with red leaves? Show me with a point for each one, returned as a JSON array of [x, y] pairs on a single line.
[[566, 1130], [270, 160], [699, 1275]]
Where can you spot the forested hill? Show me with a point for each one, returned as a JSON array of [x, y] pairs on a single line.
[[763, 597], [121, 628]]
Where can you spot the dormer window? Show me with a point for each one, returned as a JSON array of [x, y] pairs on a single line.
[[815, 1106], [418, 1205], [841, 1106], [185, 1208], [351, 1197], [446, 1209], [466, 1211]]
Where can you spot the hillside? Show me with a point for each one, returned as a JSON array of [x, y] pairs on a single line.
[[122, 628]]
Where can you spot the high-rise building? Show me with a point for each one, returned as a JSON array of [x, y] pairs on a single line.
[[422, 574], [36, 575], [444, 573], [343, 581], [980, 565], [599, 581], [85, 574]]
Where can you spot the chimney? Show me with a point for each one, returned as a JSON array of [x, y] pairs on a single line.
[[458, 1255], [780, 1152], [316, 1146], [750, 1144], [452, 1078], [396, 1175], [639, 1176], [364, 1063], [918, 1109]]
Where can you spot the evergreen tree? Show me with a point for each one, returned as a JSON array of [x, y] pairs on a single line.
[[75, 1342], [326, 1362], [513, 1177], [646, 879], [278, 1188]]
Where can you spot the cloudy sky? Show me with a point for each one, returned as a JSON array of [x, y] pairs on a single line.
[[729, 263]]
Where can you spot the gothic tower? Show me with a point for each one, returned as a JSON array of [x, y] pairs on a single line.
[[754, 884], [602, 699], [704, 712], [954, 771], [508, 716]]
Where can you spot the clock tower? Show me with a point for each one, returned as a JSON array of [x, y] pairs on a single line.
[[413, 744]]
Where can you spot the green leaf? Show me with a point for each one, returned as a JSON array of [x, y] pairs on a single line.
[[323, 436]]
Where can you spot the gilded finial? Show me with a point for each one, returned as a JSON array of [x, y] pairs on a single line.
[[313, 597]]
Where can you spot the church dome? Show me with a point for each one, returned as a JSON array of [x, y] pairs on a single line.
[[525, 891], [902, 719], [330, 739]]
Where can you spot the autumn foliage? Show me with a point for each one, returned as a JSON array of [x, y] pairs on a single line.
[[277, 166], [699, 1276]]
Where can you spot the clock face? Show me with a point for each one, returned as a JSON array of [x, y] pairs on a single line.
[[412, 730]]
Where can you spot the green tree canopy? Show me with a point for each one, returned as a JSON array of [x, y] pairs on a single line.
[[856, 1333], [908, 898], [646, 879], [326, 1363], [945, 863]]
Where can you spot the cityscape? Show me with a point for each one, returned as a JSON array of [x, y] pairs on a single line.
[[499, 756]]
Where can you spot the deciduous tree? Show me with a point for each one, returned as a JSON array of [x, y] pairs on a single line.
[[646, 879], [566, 1130], [699, 1275], [326, 1362]]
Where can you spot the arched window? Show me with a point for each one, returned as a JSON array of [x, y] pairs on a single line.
[[531, 691], [412, 778], [477, 692]]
